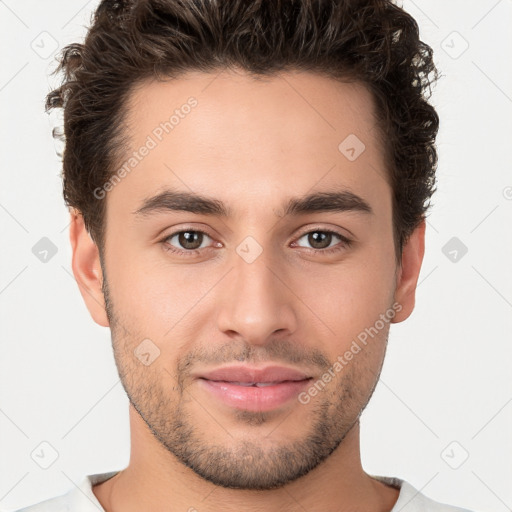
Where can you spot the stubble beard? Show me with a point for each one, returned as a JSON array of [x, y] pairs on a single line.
[[260, 464]]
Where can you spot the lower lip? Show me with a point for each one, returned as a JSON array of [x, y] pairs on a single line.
[[253, 398]]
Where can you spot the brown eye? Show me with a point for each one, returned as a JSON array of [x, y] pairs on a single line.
[[188, 240], [320, 239], [324, 241]]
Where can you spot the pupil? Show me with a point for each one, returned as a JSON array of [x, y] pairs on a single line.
[[321, 238], [188, 239]]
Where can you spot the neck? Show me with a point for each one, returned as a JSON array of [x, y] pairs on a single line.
[[156, 480]]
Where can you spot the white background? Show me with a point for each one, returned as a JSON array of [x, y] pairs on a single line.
[[447, 373]]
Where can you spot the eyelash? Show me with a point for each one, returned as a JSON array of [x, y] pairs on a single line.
[[345, 242]]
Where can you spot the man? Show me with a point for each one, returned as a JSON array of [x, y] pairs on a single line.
[[248, 183]]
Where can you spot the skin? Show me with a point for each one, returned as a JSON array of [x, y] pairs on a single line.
[[253, 145]]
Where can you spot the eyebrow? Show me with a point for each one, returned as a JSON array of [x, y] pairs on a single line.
[[173, 200]]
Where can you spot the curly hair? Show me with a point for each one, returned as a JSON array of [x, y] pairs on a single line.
[[373, 42]]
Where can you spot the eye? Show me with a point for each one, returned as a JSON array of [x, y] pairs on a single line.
[[186, 241], [321, 240], [189, 242]]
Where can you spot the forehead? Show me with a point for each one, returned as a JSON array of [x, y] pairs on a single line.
[[247, 141]]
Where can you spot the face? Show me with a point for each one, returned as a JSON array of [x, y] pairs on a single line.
[[249, 270]]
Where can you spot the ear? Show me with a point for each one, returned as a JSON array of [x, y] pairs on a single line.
[[407, 278], [87, 269]]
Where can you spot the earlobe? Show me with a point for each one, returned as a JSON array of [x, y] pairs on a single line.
[[412, 258], [87, 268]]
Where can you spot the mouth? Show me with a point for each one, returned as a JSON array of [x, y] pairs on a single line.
[[254, 389], [257, 384]]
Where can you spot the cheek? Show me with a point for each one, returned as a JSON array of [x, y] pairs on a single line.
[[345, 300], [163, 303], [150, 292], [160, 301]]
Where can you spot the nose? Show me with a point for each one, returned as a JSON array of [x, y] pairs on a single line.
[[256, 303]]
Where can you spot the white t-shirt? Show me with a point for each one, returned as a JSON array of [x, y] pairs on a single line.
[[82, 499]]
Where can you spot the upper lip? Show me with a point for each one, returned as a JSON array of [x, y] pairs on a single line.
[[254, 375]]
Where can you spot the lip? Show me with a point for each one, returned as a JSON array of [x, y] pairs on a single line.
[[244, 373], [234, 386]]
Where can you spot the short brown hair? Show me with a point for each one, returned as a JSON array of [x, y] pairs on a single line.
[[371, 41]]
